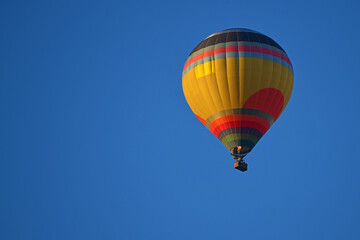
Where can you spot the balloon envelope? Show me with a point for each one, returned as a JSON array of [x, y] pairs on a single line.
[[238, 82]]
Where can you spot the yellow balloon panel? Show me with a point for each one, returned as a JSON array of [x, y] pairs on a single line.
[[224, 84]]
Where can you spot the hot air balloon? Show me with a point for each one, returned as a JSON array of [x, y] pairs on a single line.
[[238, 82]]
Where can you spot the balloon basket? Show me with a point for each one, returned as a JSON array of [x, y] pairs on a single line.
[[240, 165]]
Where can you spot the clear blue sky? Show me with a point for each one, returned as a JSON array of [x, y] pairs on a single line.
[[98, 142]]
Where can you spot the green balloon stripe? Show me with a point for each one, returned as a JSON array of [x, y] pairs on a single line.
[[240, 136]]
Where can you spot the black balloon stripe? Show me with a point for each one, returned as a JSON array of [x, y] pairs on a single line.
[[236, 36]]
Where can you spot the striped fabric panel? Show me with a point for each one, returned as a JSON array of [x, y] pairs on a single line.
[[255, 45], [237, 52], [239, 111], [239, 126], [236, 47], [238, 42], [230, 122]]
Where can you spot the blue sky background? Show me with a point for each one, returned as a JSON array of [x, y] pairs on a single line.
[[98, 142]]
